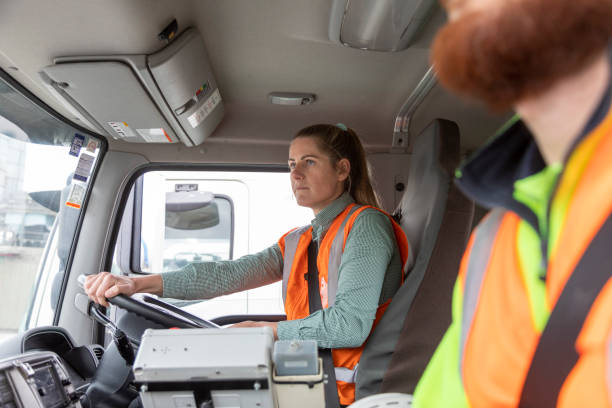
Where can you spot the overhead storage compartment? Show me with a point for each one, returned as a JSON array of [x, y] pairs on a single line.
[[379, 25], [167, 97]]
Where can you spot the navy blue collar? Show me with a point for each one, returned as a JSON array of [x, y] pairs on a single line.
[[489, 176]]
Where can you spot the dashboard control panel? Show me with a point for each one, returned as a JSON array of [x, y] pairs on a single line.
[[36, 380]]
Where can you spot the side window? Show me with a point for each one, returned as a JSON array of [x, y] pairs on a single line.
[[45, 170], [175, 218]]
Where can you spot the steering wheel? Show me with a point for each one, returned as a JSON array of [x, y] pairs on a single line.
[[160, 312], [150, 308]]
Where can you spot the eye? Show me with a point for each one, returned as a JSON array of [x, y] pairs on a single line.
[[310, 162], [291, 165]]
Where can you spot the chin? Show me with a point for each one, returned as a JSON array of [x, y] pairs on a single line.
[[302, 202]]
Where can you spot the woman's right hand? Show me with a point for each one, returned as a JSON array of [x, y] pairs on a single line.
[[105, 285]]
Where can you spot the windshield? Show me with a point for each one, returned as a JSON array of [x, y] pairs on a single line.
[[45, 167]]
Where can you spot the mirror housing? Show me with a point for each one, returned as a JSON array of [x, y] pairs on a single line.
[[192, 210]]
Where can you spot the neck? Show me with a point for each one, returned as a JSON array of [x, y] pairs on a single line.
[[557, 116], [316, 210]]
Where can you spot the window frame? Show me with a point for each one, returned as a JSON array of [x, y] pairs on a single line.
[[136, 233], [139, 171], [103, 146]]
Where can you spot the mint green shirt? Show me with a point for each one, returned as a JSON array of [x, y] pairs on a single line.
[[370, 270]]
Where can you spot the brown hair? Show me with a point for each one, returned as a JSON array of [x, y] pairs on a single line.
[[521, 49], [338, 144]]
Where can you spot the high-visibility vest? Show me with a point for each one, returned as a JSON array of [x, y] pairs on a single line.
[[294, 247], [495, 331]]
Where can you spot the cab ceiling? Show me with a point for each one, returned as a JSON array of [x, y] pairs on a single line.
[[255, 47]]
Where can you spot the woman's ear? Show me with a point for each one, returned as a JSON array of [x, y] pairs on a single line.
[[343, 168]]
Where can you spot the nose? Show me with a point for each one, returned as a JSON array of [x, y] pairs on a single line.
[[296, 174]]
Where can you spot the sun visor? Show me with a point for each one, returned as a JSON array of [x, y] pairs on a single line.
[[167, 97]]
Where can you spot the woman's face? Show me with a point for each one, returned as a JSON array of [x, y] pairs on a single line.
[[314, 180]]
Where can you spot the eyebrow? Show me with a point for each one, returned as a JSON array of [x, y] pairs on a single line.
[[304, 157]]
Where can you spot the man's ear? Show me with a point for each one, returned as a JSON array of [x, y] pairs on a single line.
[[343, 167]]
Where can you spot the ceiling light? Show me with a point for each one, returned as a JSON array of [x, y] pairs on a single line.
[[291, 98]]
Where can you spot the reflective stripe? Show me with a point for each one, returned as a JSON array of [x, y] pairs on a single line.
[[345, 374], [335, 257], [291, 242], [477, 265]]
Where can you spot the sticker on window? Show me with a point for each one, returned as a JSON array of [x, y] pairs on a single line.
[[154, 135], [122, 129], [76, 195], [206, 109], [77, 143], [83, 167], [92, 145]]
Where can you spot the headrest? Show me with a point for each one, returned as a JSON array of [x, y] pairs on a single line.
[[434, 159]]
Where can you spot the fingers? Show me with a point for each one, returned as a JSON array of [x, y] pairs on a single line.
[[104, 285], [246, 323], [249, 323], [92, 283], [119, 288]]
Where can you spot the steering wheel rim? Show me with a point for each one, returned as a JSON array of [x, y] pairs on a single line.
[[162, 312]]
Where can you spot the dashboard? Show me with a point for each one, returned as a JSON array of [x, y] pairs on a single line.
[[36, 379], [44, 368]]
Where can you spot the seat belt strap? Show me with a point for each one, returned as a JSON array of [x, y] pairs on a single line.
[[346, 374], [556, 355], [314, 304]]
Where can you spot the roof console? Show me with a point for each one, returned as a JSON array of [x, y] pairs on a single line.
[[166, 97]]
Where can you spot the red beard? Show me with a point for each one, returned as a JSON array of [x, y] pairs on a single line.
[[519, 50]]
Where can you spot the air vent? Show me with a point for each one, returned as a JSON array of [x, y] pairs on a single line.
[[6, 392], [99, 352]]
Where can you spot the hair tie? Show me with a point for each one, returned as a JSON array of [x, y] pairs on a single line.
[[341, 126]]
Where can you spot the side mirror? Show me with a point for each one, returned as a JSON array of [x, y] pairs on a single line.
[[194, 210], [48, 199]]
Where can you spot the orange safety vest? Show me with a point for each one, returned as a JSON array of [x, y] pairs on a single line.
[[498, 337], [294, 247]]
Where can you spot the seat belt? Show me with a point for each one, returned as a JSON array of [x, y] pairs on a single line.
[[556, 355], [314, 304]]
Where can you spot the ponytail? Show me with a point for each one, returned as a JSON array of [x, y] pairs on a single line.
[[340, 142]]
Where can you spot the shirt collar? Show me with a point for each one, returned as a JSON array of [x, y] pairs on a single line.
[[324, 218]]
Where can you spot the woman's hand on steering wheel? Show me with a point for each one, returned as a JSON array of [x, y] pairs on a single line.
[[250, 323], [105, 285], [102, 287]]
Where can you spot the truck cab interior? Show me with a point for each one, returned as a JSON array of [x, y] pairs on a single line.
[[140, 136]]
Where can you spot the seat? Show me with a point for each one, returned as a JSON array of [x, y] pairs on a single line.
[[437, 219]]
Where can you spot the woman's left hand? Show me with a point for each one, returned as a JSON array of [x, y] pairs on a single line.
[[250, 323]]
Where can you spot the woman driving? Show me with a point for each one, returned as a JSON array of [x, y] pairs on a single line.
[[352, 257]]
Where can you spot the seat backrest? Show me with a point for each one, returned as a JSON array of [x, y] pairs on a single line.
[[437, 220]]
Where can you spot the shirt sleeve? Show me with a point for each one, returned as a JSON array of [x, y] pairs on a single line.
[[365, 260], [205, 280]]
